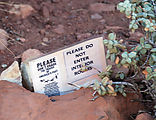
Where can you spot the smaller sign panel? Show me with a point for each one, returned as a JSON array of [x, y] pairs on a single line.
[[52, 73], [45, 74], [87, 54]]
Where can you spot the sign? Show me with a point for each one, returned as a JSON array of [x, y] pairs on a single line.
[[51, 73]]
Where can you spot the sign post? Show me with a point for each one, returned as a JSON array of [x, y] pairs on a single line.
[[51, 73]]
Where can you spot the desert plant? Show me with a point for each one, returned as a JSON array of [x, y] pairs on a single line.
[[139, 59], [142, 58]]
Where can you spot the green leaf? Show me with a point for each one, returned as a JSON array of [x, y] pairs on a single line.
[[151, 15], [118, 65], [122, 76], [148, 46], [139, 10], [153, 50], [99, 91], [148, 69], [109, 67], [117, 86], [94, 88], [151, 29], [143, 51], [108, 54], [105, 41], [142, 40], [154, 74], [121, 90], [110, 46], [139, 48], [128, 12], [120, 46], [137, 59], [124, 55], [154, 36], [151, 62], [103, 93], [112, 36], [122, 9], [148, 77], [111, 42], [129, 60], [140, 15], [154, 57], [112, 57], [135, 26], [103, 88], [123, 61], [124, 94], [132, 54], [134, 62], [132, 23], [144, 14], [134, 1], [147, 7], [97, 84], [113, 50]]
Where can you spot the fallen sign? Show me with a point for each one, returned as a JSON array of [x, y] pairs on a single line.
[[50, 74]]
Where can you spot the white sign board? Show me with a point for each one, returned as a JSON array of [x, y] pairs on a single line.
[[51, 74]]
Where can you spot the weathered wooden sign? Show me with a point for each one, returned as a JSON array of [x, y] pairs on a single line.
[[51, 74]]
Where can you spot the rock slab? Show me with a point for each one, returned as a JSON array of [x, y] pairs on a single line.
[[12, 74], [31, 54], [144, 116], [101, 7], [17, 103]]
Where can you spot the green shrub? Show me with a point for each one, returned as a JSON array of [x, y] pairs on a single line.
[[139, 59]]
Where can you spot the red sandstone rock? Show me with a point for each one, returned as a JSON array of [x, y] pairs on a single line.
[[31, 54], [59, 29], [83, 36], [144, 116], [101, 7], [17, 103], [22, 10]]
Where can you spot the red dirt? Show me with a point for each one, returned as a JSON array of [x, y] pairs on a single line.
[[17, 103], [74, 15], [62, 22]]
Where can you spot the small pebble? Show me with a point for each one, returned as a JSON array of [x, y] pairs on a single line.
[[22, 39], [42, 32], [96, 16], [4, 65], [45, 40], [18, 39], [48, 26], [44, 44], [59, 29], [103, 21]]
